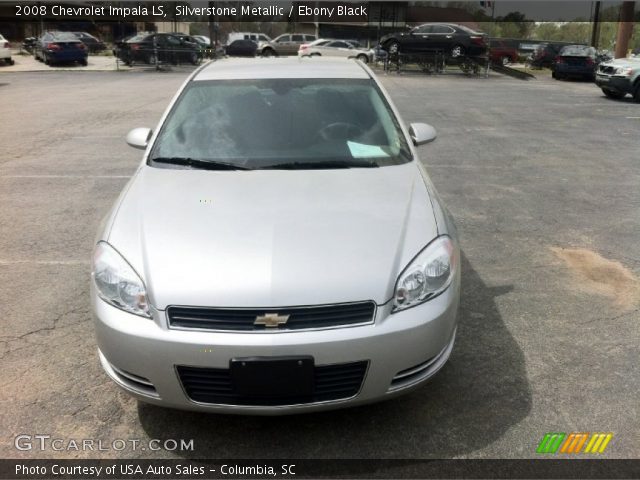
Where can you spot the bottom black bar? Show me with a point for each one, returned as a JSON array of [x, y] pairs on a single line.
[[401, 469]]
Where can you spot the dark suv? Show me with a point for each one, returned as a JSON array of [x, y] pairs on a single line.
[[452, 39]]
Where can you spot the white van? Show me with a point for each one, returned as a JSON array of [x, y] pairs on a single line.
[[256, 37]]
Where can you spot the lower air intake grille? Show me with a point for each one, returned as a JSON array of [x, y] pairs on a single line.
[[214, 385]]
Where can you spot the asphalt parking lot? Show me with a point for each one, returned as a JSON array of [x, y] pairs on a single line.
[[542, 178]]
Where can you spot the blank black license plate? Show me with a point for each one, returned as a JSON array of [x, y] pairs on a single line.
[[272, 376]]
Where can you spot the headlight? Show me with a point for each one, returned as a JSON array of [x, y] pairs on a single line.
[[625, 71], [117, 283], [428, 274]]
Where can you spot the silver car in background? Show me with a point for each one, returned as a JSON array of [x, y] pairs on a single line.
[[280, 248], [335, 48]]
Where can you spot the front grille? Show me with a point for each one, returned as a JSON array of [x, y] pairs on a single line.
[[214, 385], [299, 318]]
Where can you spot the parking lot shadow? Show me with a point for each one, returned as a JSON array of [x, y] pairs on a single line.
[[475, 398]]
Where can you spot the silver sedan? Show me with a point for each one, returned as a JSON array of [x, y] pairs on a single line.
[[280, 248]]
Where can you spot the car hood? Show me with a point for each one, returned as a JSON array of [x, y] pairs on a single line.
[[630, 62], [272, 237]]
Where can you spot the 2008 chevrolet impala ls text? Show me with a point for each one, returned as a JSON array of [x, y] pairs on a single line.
[[280, 248]]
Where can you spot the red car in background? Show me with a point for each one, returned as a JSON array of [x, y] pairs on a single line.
[[501, 53]]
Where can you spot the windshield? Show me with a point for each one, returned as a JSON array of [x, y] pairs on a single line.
[[266, 123], [577, 51], [65, 37]]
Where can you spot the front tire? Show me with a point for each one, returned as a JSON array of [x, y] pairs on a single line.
[[84, 62], [268, 52], [457, 51], [363, 58], [612, 94], [505, 61], [636, 93], [393, 47]]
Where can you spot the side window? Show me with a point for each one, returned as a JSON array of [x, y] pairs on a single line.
[[246, 37], [443, 29], [423, 29], [338, 45], [297, 38], [283, 39], [262, 38], [173, 41], [310, 38]]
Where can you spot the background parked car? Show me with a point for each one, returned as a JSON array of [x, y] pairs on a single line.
[[455, 40], [203, 40], [285, 44], [334, 48], [5, 51], [575, 61], [501, 53], [158, 47], [28, 44], [92, 43], [544, 55], [60, 47], [255, 36], [241, 48]]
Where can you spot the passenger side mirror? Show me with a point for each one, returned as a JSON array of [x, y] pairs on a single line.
[[139, 137], [422, 133]]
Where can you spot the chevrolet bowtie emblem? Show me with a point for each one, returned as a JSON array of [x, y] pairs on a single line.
[[271, 320]]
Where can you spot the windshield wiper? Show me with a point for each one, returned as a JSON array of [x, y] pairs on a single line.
[[320, 165], [196, 163]]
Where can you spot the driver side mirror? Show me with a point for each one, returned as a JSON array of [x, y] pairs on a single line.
[[139, 137], [422, 133]]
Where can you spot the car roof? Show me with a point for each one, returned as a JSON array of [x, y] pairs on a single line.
[[262, 68]]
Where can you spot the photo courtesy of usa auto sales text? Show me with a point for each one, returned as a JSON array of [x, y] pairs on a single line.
[[136, 469]]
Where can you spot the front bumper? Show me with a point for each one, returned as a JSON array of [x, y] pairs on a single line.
[[403, 350], [616, 83]]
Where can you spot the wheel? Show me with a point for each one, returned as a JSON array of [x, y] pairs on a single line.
[[315, 55], [636, 93], [612, 94], [457, 51], [268, 52], [152, 59], [393, 47], [84, 62], [363, 58], [505, 60], [46, 60], [194, 58], [11, 61]]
